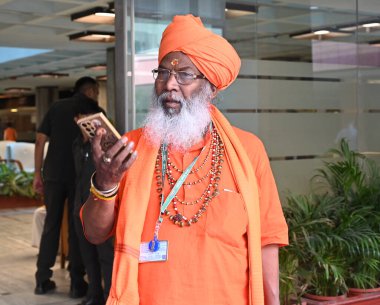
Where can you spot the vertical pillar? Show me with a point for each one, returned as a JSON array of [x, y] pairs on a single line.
[[45, 96], [121, 65], [102, 98], [111, 105]]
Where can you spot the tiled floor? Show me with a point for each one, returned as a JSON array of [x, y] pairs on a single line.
[[18, 264]]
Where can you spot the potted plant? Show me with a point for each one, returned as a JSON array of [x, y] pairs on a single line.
[[357, 179], [310, 260], [334, 232], [15, 186]]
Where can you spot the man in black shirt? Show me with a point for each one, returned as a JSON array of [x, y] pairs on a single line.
[[97, 259], [57, 182]]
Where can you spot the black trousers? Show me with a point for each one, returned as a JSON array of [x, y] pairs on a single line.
[[55, 195], [98, 262]]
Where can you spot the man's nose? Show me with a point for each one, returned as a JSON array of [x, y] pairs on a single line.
[[171, 83]]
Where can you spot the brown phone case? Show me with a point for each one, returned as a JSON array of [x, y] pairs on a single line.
[[90, 123]]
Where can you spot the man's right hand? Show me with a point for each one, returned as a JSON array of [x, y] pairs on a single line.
[[41, 139], [38, 185], [111, 164]]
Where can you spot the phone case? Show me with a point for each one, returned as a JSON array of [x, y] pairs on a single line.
[[90, 123]]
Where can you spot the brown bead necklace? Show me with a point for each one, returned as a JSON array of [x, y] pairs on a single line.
[[216, 151]]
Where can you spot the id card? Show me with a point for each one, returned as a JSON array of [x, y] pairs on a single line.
[[147, 256]]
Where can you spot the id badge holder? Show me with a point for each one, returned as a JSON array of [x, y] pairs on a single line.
[[159, 252]]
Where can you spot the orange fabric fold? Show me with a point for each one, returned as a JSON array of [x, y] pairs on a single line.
[[134, 193], [134, 197], [213, 55], [247, 185]]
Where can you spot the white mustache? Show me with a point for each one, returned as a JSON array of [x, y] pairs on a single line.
[[172, 96]]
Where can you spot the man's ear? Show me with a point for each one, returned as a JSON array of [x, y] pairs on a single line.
[[214, 91]]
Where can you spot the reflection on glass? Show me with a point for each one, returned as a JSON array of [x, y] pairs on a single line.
[[298, 95]]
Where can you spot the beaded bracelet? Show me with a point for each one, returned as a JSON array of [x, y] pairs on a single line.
[[104, 195]]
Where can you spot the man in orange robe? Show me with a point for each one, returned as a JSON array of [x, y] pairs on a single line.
[[191, 200]]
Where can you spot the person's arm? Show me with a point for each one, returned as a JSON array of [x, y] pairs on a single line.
[[271, 274], [38, 160], [98, 215]]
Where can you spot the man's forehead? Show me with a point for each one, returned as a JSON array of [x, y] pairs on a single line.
[[174, 62], [177, 60]]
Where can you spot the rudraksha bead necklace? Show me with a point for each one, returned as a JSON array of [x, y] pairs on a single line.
[[211, 191]]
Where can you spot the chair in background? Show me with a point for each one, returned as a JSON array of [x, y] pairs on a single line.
[[4, 150], [23, 152], [38, 226], [12, 164]]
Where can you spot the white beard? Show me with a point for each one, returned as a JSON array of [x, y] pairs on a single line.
[[182, 130]]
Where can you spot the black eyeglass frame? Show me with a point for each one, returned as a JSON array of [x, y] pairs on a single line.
[[175, 73]]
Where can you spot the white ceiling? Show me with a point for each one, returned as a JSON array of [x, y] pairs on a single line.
[[46, 24]]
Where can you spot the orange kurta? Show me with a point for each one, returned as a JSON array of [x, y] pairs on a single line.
[[218, 259], [208, 262], [263, 224]]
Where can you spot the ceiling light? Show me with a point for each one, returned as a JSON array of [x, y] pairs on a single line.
[[371, 25], [100, 67], [17, 90], [95, 15], [319, 34], [233, 10], [101, 77], [349, 28], [373, 81], [50, 75], [93, 36], [13, 110], [366, 25]]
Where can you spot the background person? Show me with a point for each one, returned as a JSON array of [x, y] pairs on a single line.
[[97, 259], [56, 180], [214, 210], [10, 133]]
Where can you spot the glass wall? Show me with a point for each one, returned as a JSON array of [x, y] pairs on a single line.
[[310, 74]]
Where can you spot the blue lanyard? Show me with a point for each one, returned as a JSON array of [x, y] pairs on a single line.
[[179, 183], [165, 203]]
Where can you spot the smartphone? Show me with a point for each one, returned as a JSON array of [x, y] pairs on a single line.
[[90, 123]]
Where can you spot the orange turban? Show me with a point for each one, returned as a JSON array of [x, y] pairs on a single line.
[[214, 56]]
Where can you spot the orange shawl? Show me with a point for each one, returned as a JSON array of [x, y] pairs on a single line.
[[133, 206]]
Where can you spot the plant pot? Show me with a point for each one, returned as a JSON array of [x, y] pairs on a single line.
[[367, 299], [312, 299], [12, 202], [352, 292], [323, 298]]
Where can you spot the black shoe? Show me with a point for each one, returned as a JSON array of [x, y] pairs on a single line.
[[93, 301], [42, 288], [79, 290]]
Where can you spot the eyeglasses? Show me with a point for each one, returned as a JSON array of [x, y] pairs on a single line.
[[182, 77]]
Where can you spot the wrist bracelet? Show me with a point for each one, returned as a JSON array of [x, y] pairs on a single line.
[[108, 193], [97, 195]]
